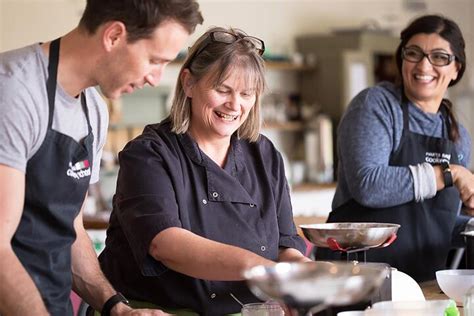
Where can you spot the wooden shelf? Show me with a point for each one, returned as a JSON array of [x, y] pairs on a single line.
[[286, 65], [270, 65], [284, 126]]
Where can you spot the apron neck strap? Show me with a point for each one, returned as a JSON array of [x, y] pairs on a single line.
[[51, 84], [52, 77]]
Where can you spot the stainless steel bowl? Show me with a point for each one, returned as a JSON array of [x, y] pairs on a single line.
[[316, 283], [350, 235]]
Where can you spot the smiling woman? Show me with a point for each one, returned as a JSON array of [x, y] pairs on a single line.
[[426, 79], [403, 155], [219, 108], [202, 196], [214, 59]]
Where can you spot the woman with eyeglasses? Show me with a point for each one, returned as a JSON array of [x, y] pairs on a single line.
[[403, 155], [202, 195]]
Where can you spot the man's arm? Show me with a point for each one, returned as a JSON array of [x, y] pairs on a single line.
[[88, 280], [18, 294]]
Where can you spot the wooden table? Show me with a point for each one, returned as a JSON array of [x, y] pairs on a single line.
[[432, 291]]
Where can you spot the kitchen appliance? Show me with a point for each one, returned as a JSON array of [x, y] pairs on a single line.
[[319, 149], [312, 287], [469, 237]]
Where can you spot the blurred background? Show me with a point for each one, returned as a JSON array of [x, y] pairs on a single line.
[[320, 53]]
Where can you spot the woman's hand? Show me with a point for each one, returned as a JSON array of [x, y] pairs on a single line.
[[463, 179], [139, 312]]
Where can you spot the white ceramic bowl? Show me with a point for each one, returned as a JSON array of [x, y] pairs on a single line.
[[455, 283], [408, 308], [351, 313], [404, 288]]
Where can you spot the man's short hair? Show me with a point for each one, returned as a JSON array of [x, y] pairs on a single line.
[[141, 17]]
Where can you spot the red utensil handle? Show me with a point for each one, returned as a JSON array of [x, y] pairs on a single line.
[[334, 245], [389, 241]]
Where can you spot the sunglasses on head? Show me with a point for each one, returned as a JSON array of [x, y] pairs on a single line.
[[230, 38]]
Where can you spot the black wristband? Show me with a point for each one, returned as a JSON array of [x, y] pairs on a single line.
[[111, 302], [447, 176]]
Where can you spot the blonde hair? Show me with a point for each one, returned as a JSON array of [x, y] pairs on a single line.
[[220, 59]]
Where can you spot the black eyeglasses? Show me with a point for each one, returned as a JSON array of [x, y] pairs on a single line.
[[415, 55], [229, 38]]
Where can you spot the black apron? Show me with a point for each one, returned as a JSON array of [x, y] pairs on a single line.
[[57, 179], [424, 237]]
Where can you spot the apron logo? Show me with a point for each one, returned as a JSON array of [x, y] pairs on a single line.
[[437, 158], [79, 170]]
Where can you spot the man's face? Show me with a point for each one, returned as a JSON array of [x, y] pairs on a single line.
[[131, 66]]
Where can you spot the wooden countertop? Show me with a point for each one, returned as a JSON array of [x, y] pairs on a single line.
[[102, 221], [432, 291]]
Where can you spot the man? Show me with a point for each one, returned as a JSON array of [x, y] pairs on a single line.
[[52, 129]]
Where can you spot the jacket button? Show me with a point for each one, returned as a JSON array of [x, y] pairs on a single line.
[[215, 194], [204, 201], [213, 295], [252, 205], [263, 248]]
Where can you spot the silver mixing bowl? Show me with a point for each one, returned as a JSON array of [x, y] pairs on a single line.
[[350, 235], [317, 283]]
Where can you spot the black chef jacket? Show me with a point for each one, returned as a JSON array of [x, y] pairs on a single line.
[[165, 180]]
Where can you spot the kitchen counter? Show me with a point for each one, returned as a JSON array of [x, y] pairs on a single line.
[[432, 291], [101, 221], [312, 200]]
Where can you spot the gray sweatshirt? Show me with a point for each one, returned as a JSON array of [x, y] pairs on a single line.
[[369, 133]]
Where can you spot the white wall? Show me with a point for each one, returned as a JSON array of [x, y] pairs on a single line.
[[1, 25], [278, 22], [27, 21]]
